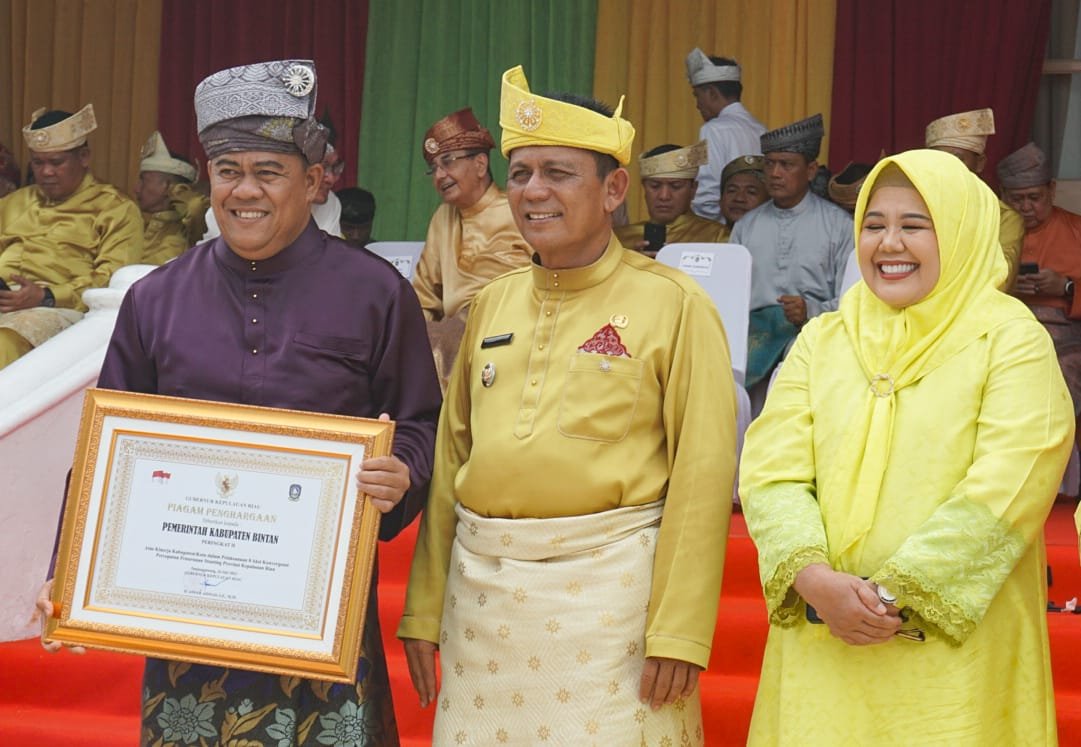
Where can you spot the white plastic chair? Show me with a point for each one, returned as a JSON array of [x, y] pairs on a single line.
[[402, 254], [724, 271]]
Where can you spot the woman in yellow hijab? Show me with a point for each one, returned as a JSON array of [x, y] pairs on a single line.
[[897, 483]]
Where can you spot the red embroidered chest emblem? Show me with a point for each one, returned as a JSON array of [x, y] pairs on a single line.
[[606, 342]]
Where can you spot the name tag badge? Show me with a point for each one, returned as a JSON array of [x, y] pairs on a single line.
[[496, 340]]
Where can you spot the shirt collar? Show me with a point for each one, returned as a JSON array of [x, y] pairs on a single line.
[[307, 246], [579, 278], [800, 207], [483, 203]]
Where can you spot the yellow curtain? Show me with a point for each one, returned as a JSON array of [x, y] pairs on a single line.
[[785, 48], [62, 54]]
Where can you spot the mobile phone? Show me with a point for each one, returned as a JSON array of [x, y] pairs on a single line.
[[654, 235], [812, 615], [3, 285], [1028, 268]]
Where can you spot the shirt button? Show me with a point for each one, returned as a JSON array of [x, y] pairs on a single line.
[[547, 313], [555, 285], [253, 268], [254, 321], [255, 295], [540, 347], [534, 382], [255, 351]]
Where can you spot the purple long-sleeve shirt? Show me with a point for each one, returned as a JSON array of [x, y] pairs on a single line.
[[320, 326]]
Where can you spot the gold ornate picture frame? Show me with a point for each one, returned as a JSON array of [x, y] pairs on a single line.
[[218, 534]]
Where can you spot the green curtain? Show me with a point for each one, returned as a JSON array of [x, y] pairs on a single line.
[[427, 58]]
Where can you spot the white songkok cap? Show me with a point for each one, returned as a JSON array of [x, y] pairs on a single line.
[[155, 157], [700, 69]]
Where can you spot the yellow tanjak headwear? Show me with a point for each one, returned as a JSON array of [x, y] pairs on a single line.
[[64, 135], [674, 164], [898, 347], [528, 119], [967, 130], [155, 157]]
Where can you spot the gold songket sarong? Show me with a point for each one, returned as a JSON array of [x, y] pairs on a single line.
[[38, 324], [543, 633]]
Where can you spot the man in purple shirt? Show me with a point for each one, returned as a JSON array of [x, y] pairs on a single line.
[[275, 312]]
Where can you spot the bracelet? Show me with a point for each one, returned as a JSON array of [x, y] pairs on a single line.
[[1067, 288]]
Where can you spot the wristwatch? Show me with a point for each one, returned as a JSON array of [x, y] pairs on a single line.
[[884, 595], [48, 300]]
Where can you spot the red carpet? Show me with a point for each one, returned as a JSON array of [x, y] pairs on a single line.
[[93, 701]]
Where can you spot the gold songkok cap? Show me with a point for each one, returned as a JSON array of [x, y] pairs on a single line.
[[744, 164], [967, 130], [701, 69], [64, 135], [1026, 167], [155, 157], [529, 119], [674, 164]]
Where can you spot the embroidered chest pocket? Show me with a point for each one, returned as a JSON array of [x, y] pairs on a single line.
[[600, 396]]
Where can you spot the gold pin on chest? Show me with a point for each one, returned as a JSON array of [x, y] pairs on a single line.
[[619, 321]]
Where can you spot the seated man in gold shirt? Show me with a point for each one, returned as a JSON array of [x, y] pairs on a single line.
[[965, 135], [669, 184], [172, 210], [579, 508], [63, 234], [471, 237]]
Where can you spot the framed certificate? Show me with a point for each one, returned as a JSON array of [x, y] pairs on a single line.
[[218, 534]]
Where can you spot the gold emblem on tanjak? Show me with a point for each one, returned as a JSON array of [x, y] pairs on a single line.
[[528, 115], [431, 146], [619, 321]]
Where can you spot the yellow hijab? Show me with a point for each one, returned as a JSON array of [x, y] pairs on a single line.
[[898, 347]]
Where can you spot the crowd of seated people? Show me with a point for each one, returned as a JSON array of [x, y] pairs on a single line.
[[739, 183]]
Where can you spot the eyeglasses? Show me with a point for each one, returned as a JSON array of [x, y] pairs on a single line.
[[335, 169], [444, 162]]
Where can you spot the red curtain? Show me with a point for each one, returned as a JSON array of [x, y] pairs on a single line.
[[199, 37], [898, 64]]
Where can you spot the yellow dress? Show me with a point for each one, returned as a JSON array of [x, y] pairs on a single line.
[[686, 228], [464, 250], [921, 448]]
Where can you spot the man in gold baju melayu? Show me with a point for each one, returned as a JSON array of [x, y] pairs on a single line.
[[965, 135], [669, 184], [172, 210], [569, 561], [471, 237], [63, 234]]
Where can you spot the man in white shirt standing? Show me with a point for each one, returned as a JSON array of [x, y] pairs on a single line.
[[730, 131]]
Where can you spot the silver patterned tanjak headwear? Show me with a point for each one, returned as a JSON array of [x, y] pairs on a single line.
[[263, 106], [1024, 168], [803, 137]]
